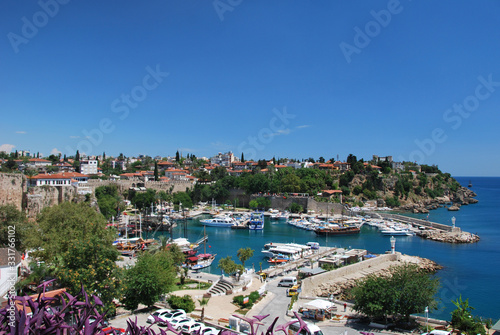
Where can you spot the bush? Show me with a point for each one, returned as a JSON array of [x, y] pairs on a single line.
[[185, 302], [296, 208], [392, 202], [254, 296]]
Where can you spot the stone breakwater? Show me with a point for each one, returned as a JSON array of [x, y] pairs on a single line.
[[449, 237], [341, 288]]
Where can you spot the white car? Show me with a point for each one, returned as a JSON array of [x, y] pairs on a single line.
[[159, 314], [208, 331], [192, 327], [179, 322], [175, 314]]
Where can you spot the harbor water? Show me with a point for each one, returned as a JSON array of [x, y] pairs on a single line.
[[469, 270]]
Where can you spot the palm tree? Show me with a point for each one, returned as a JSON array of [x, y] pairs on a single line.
[[203, 302]]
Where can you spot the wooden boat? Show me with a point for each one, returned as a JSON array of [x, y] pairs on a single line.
[[347, 230]]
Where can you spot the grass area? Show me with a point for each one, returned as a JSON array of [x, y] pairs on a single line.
[[190, 284]]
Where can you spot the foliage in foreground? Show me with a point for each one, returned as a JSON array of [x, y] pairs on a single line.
[[80, 315], [407, 290]]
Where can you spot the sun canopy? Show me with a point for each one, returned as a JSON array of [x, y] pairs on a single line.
[[319, 304]]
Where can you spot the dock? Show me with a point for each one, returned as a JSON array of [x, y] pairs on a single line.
[[294, 265], [416, 222]]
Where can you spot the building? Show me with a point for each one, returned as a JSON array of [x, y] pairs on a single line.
[[38, 163], [9, 275], [64, 179], [221, 159], [88, 166], [117, 164], [64, 167]]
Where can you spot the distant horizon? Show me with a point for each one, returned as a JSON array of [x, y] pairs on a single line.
[[254, 76]]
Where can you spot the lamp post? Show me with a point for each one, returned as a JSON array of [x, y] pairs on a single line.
[[427, 318], [393, 245], [453, 219]]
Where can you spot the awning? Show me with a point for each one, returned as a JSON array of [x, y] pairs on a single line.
[[192, 259], [319, 304]]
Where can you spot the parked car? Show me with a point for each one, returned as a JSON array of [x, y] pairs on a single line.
[[177, 323], [191, 328], [158, 313], [208, 331], [114, 330], [177, 313]]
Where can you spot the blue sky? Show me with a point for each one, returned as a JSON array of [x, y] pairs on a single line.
[[270, 78]]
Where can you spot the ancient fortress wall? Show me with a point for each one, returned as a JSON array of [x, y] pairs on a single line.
[[12, 186]]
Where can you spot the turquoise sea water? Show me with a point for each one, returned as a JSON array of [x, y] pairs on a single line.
[[470, 270]]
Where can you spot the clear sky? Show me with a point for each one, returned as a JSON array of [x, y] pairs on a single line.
[[418, 80]]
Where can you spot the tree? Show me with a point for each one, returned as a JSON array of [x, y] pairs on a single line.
[[253, 204], [14, 228], [407, 290], [463, 320], [152, 276], [321, 160], [296, 208], [92, 265], [242, 158], [203, 302], [177, 156], [59, 227], [185, 303], [244, 254], [156, 171], [228, 266], [184, 198], [77, 156]]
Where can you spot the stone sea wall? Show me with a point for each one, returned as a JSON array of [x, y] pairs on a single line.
[[339, 282]]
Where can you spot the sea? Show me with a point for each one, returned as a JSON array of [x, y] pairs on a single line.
[[471, 271]]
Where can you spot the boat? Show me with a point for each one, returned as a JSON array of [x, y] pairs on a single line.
[[279, 259], [337, 230], [256, 221], [470, 183], [201, 261], [396, 231], [283, 216], [225, 222]]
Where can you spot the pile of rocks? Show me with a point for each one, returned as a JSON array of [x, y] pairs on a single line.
[[449, 237]]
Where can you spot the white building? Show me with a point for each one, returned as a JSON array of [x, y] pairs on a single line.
[[9, 275], [88, 166], [65, 179], [223, 159]]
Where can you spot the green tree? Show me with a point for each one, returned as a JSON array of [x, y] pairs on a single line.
[[156, 171], [242, 158], [463, 320], [253, 204], [185, 302], [92, 265], [405, 291], [59, 227], [229, 266], [14, 228], [184, 198], [177, 156], [296, 208], [244, 254], [152, 276]]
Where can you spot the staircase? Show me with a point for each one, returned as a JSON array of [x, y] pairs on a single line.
[[221, 287]]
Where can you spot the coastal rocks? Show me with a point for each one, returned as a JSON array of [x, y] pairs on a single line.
[[341, 288], [449, 237], [454, 207]]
